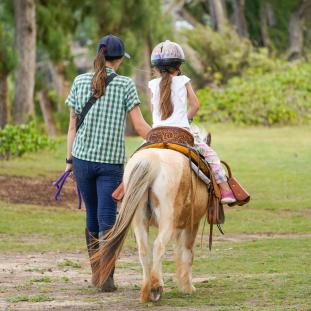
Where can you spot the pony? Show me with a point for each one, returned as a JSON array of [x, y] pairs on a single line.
[[161, 190]]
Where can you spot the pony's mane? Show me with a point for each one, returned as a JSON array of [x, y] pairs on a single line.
[[199, 133]]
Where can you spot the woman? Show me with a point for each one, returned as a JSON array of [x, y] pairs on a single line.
[[96, 151]]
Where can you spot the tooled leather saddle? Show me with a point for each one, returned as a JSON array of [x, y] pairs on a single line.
[[170, 134]]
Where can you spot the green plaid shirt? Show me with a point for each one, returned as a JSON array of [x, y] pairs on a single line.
[[101, 136]]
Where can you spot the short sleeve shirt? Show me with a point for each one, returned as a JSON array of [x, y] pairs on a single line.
[[101, 135], [179, 100]]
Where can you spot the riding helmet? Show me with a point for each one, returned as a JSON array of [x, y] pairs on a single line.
[[167, 53]]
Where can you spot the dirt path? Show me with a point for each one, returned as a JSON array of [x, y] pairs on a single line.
[[60, 281], [258, 236], [36, 190]]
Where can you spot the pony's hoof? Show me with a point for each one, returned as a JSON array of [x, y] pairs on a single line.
[[156, 293], [144, 295], [190, 290]]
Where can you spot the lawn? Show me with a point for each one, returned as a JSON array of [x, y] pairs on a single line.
[[262, 262]]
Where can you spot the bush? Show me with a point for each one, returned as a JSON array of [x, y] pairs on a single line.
[[281, 96], [19, 139], [222, 55]]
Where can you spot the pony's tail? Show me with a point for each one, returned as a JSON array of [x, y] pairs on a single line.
[[140, 179]]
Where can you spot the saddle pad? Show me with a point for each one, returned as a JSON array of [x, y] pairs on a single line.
[[188, 152]]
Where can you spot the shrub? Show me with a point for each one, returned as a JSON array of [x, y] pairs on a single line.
[[222, 55], [281, 96], [16, 140]]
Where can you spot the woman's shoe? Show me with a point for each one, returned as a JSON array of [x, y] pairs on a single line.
[[227, 197]]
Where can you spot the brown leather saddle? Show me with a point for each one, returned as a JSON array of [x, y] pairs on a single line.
[[170, 134]]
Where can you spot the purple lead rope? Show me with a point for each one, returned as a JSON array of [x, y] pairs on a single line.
[[59, 183]]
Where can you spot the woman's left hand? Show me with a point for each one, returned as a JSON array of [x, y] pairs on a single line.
[[68, 167], [71, 175]]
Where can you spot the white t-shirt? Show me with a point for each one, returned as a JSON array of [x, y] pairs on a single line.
[[179, 101]]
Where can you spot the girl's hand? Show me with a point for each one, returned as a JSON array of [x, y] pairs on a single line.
[[193, 102]]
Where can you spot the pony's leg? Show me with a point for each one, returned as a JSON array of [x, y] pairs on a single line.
[[140, 226], [184, 257], [164, 236]]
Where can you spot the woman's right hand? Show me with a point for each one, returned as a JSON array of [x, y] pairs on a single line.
[[140, 125]]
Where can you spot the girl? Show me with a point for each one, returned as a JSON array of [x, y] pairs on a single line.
[[95, 151], [169, 95]]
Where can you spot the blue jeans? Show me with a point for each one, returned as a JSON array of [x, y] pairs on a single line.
[[96, 182]]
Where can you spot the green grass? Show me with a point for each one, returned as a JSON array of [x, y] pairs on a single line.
[[69, 263], [44, 279], [274, 163], [38, 228], [258, 273], [261, 274], [47, 162], [34, 298]]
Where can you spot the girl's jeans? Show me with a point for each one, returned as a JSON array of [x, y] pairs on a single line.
[[97, 181]]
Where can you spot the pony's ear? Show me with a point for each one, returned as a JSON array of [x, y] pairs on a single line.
[[208, 139]]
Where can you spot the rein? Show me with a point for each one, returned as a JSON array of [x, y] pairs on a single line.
[[59, 183]]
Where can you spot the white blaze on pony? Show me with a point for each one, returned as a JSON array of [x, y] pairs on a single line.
[[177, 202]]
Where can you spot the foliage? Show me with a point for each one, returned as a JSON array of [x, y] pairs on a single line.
[[280, 96], [7, 52], [282, 11], [20, 139], [56, 21], [139, 23], [222, 55]]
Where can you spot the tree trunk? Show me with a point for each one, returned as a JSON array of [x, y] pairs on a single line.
[[188, 17], [142, 77], [25, 43], [219, 10], [47, 112], [143, 73], [264, 13], [209, 4], [239, 18], [3, 100], [296, 29], [60, 84]]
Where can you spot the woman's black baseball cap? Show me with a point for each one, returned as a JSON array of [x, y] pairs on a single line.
[[114, 47]]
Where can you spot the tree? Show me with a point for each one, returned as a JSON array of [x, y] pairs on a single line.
[[25, 43], [7, 62], [218, 12], [264, 13], [296, 29], [4, 71], [57, 22], [239, 18]]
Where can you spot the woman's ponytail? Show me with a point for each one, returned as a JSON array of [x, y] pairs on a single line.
[[98, 80], [166, 106]]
